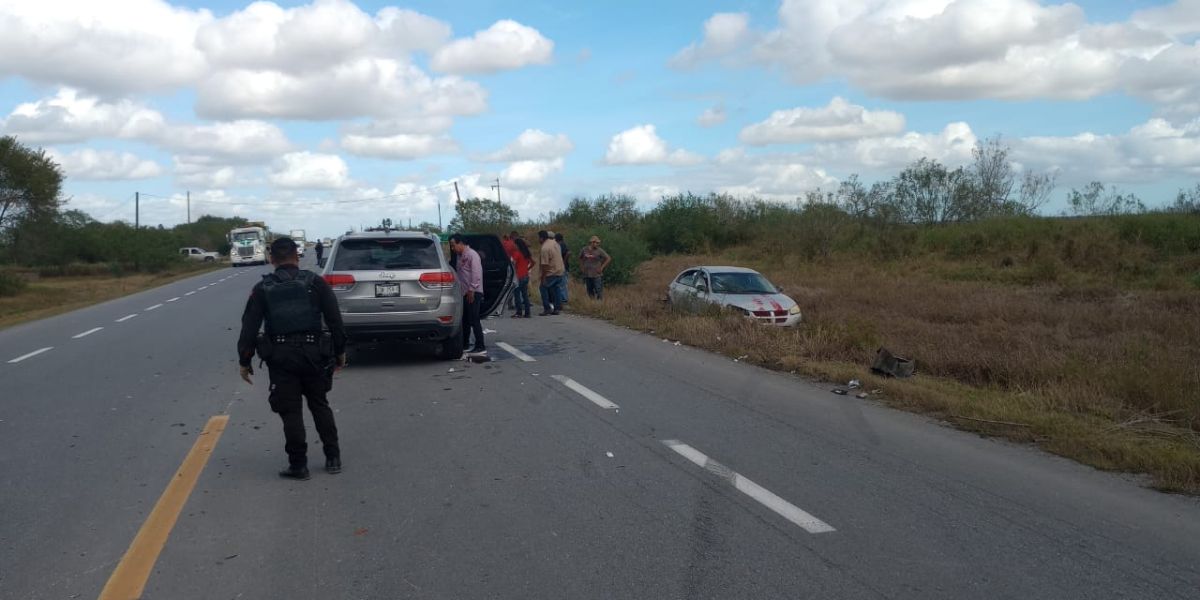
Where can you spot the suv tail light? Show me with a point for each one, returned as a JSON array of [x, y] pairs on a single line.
[[437, 280], [340, 282]]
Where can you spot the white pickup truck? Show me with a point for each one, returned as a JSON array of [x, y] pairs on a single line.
[[200, 254]]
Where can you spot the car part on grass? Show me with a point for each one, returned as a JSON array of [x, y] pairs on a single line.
[[891, 365]]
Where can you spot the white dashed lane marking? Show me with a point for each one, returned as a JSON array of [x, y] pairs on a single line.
[[764, 496], [203, 287], [578, 388], [149, 308], [30, 355], [126, 318], [517, 353], [189, 293], [173, 299], [86, 333]]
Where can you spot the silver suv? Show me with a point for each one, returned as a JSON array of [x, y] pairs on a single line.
[[399, 285]]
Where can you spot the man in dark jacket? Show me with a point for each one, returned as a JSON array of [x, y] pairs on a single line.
[[293, 303]]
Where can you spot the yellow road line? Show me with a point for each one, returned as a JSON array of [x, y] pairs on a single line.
[[129, 578]]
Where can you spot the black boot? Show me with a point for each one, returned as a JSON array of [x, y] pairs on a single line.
[[295, 472], [333, 466]]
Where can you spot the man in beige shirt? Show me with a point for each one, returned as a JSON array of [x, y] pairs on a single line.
[[550, 263]]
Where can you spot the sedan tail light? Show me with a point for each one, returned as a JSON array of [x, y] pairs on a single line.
[[437, 280], [340, 282]]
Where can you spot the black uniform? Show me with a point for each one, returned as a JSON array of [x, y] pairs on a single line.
[[320, 248], [293, 303]]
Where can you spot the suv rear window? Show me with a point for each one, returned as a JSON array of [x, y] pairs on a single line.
[[379, 254]]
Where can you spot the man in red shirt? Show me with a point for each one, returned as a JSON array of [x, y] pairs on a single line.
[[522, 259]]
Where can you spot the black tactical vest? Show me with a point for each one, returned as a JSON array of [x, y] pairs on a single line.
[[289, 308]]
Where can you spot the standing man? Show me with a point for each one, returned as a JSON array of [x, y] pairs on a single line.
[[508, 241], [293, 302], [550, 263], [320, 248], [566, 257], [592, 261], [470, 277]]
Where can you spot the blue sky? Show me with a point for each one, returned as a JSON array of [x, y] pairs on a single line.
[[333, 114]]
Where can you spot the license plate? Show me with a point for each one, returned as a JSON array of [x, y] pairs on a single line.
[[387, 290]]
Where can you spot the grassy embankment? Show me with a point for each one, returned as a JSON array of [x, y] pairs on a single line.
[[1080, 336], [50, 291]]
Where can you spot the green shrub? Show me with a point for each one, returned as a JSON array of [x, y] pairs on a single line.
[[11, 284]]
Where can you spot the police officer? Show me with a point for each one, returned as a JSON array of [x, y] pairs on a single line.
[[320, 248], [299, 359]]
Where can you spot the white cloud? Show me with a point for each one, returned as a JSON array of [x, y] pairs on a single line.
[[505, 45], [534, 144], [527, 173], [403, 146], [307, 170], [407, 30], [969, 49], [1151, 151], [641, 145], [236, 140], [109, 47], [711, 117], [1178, 18], [105, 165], [779, 180], [951, 146], [201, 174], [840, 120], [376, 87], [724, 33], [71, 117]]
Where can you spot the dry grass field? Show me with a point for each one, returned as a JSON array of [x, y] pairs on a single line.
[[1102, 373]]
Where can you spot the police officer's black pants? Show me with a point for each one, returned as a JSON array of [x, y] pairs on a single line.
[[295, 372]]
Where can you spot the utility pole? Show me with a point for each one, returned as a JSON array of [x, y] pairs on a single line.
[[137, 226], [497, 188], [189, 202]]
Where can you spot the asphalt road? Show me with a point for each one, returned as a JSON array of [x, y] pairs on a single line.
[[592, 463]]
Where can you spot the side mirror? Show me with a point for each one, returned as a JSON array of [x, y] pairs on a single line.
[[779, 289], [701, 287]]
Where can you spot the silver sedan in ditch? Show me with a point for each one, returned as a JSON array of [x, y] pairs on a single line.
[[737, 288]]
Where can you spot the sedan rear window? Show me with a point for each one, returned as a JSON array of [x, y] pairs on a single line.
[[378, 254]]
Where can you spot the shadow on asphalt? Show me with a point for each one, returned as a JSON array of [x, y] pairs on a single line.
[[376, 355]]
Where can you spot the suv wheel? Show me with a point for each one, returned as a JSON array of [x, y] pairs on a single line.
[[451, 348]]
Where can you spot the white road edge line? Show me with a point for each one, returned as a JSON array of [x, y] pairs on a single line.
[[517, 353], [126, 318], [150, 308], [86, 333], [30, 355], [764, 496], [577, 387]]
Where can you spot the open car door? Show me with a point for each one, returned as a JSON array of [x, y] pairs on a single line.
[[498, 271]]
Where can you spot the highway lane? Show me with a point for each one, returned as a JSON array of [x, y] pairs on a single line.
[[501, 480]]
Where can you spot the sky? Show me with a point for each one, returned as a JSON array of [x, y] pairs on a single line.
[[330, 115]]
